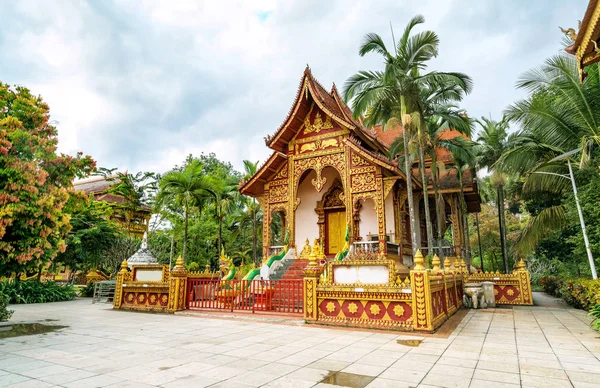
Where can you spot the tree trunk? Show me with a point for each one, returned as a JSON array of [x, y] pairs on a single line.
[[425, 198], [465, 220], [411, 204], [502, 226], [185, 230], [438, 208], [479, 241]]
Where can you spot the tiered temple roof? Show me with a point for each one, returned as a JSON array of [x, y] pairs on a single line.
[[374, 142]]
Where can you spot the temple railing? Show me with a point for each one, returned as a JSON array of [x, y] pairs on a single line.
[[446, 251], [365, 247], [273, 250]]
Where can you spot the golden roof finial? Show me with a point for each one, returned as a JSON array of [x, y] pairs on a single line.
[[447, 265], [124, 265]]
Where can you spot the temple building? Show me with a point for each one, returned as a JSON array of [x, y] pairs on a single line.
[[585, 40], [328, 171], [133, 220]]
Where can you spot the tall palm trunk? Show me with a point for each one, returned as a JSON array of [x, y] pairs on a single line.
[[465, 221], [185, 229], [425, 197], [409, 192], [438, 205], [502, 225]]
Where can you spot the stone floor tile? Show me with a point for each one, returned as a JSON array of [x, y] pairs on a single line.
[[457, 362], [31, 384], [288, 382], [531, 370], [446, 381], [546, 382], [502, 377], [404, 375], [94, 381], [160, 378], [309, 374], [254, 379], [12, 378], [385, 383], [476, 383], [583, 377], [62, 378], [498, 366], [364, 369], [46, 370], [581, 367], [190, 368], [452, 370], [196, 382]]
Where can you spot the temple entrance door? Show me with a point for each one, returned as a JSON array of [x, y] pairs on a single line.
[[335, 228]]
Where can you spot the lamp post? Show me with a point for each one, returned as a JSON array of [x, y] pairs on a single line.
[[571, 177]]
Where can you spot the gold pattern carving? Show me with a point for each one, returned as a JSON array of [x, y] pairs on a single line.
[[318, 124], [358, 161], [363, 182]]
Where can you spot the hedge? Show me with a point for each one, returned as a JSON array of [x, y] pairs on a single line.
[[34, 291], [579, 293]]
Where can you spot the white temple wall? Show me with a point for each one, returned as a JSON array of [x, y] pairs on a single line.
[[389, 215], [306, 217], [368, 219]]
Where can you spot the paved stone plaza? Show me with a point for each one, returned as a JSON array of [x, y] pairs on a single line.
[[529, 347]]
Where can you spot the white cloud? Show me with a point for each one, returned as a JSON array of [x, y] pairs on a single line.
[[139, 85]]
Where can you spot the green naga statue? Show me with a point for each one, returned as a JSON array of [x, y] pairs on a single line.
[[341, 255]]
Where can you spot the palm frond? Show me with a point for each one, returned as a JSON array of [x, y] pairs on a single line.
[[547, 221]]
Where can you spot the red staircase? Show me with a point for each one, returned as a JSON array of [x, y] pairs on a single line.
[[289, 289], [295, 270]]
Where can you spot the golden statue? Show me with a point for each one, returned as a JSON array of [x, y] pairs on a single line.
[[305, 253], [317, 251]]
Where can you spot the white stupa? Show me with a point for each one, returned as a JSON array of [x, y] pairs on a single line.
[[143, 255]]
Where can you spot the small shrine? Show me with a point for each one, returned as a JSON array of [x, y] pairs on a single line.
[[143, 255]]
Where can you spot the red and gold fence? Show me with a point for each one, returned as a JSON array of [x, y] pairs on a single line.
[[423, 301], [281, 296], [511, 289]]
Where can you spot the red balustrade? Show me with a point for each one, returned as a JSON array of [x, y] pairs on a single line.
[[282, 296]]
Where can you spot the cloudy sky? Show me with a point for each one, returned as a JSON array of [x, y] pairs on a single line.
[[140, 84]]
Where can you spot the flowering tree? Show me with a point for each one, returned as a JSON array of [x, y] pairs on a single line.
[[35, 183]]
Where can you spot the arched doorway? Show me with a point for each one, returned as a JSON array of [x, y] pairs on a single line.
[[332, 218], [321, 212]]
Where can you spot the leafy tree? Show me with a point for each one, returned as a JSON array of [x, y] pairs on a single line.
[[35, 183], [92, 233], [395, 95]]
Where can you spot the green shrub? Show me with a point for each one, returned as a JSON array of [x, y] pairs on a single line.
[[579, 293], [34, 291], [88, 290], [595, 315], [5, 313]]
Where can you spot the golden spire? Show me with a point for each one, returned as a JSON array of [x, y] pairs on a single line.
[[419, 260]]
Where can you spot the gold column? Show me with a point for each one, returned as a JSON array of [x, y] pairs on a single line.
[[122, 276], [311, 279], [177, 287], [421, 295]]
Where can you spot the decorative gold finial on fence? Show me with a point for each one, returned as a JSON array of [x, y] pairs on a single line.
[[521, 266], [447, 265], [419, 261], [436, 264], [124, 265]]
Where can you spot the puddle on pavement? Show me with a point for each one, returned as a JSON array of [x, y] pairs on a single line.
[[411, 342], [347, 379], [49, 320], [21, 329]]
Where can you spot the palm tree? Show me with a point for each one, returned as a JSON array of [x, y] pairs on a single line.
[[393, 96], [249, 171], [445, 118], [561, 114], [223, 198], [493, 142], [185, 188]]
